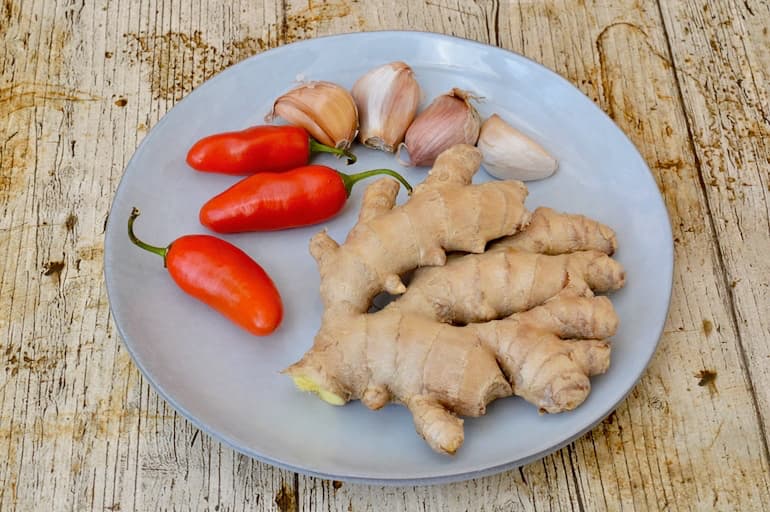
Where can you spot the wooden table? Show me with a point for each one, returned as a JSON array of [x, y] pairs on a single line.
[[81, 84]]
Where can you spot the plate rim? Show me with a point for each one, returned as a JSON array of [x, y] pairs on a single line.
[[446, 476]]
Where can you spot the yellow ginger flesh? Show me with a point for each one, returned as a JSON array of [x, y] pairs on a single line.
[[514, 317]]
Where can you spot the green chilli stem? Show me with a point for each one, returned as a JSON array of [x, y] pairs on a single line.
[[160, 251], [317, 147], [351, 179]]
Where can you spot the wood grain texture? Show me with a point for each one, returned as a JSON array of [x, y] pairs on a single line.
[[80, 85], [79, 429], [725, 88]]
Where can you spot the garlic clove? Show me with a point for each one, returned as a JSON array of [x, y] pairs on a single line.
[[326, 110], [289, 110], [449, 120], [387, 98], [508, 154]]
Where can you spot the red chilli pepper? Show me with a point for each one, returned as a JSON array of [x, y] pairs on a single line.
[[270, 201], [258, 149], [222, 276]]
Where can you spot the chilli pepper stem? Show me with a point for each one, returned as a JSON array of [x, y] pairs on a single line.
[[160, 251], [351, 179], [317, 147]]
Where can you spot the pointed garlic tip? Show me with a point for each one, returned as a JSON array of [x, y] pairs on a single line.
[[508, 154], [449, 120], [326, 110], [387, 98]]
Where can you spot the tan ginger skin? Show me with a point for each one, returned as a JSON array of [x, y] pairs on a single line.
[[519, 319]]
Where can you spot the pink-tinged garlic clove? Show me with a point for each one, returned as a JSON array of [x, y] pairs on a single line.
[[326, 110], [449, 120], [387, 98], [508, 154]]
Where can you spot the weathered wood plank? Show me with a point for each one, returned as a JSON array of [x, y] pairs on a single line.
[[79, 429], [721, 52]]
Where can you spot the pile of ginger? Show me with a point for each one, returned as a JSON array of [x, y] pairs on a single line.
[[501, 302]]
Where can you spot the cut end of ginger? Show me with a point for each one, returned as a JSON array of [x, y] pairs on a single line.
[[306, 384]]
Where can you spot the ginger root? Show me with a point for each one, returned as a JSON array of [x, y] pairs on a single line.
[[514, 317]]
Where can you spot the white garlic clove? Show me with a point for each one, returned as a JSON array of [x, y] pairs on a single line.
[[326, 110], [387, 98], [508, 154], [449, 120]]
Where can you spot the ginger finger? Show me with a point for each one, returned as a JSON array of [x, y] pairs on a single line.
[[559, 392], [440, 428], [379, 197], [593, 356], [456, 165], [495, 284], [600, 272], [551, 232], [574, 317]]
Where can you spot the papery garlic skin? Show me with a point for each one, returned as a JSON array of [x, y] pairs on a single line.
[[449, 120], [387, 98], [508, 154], [326, 110]]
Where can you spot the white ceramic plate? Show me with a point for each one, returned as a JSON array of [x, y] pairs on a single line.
[[227, 382]]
